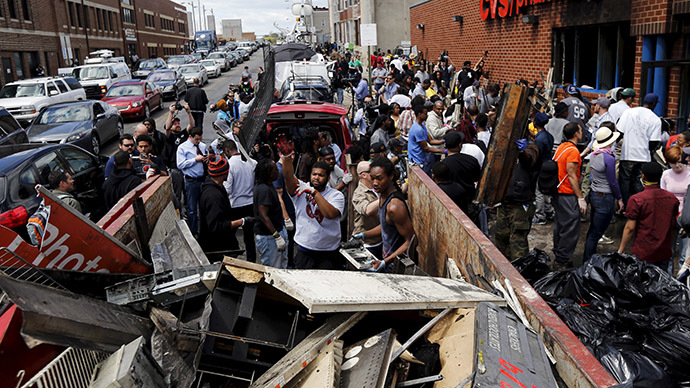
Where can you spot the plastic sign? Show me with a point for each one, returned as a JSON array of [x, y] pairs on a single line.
[[494, 9]]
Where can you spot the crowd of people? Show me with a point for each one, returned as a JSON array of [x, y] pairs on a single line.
[[582, 161]]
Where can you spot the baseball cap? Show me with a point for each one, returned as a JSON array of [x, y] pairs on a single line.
[[377, 147], [571, 89], [453, 139], [603, 102], [651, 98], [218, 167], [541, 119], [628, 92]]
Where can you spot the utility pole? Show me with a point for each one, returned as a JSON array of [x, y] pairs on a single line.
[[199, 7], [204, 17], [191, 4]]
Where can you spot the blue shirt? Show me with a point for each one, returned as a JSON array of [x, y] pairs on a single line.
[[544, 142], [280, 184], [414, 150], [390, 90], [362, 89], [186, 153]]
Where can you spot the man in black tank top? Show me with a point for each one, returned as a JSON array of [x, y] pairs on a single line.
[[395, 226]]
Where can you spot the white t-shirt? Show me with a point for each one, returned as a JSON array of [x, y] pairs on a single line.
[[484, 136], [402, 100], [312, 230], [616, 110], [473, 150], [639, 126]]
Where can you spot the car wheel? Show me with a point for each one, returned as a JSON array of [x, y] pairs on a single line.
[[147, 111], [95, 144]]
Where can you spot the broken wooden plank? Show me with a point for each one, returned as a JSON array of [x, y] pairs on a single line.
[[342, 291]]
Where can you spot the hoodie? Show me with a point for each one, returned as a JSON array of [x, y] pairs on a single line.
[[118, 184], [215, 215]]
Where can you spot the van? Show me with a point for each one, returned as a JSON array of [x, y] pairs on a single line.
[[97, 79]]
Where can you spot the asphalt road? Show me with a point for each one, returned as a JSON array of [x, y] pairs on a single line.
[[215, 89]]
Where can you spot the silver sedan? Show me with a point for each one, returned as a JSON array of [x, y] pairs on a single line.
[[194, 70]]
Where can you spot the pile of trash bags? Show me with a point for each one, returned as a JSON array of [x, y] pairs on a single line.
[[633, 316]]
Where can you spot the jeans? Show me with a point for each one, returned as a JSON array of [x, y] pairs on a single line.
[[566, 226], [268, 250], [191, 195], [602, 205], [629, 175], [544, 209], [339, 92]]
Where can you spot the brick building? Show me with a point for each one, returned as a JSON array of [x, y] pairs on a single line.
[[53, 33], [597, 45]]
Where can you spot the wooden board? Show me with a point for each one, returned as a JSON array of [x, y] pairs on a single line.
[[455, 335]]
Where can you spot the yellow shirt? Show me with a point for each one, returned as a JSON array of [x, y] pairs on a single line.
[[430, 92]]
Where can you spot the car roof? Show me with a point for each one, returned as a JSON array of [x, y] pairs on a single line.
[[307, 106], [130, 82], [83, 102], [12, 156]]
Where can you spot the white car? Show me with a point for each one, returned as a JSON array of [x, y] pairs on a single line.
[[221, 58], [194, 70], [24, 99], [212, 68]]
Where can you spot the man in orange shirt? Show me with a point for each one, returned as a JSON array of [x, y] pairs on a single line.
[[569, 202]]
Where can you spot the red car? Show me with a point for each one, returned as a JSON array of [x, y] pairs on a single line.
[[134, 98], [294, 117]]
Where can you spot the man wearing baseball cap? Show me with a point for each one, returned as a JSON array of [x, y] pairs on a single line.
[[616, 110], [651, 220], [215, 222], [641, 129]]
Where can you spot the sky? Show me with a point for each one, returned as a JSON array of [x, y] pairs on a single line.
[[257, 15]]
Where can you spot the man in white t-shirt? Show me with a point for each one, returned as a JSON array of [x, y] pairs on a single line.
[[641, 129], [317, 216], [616, 110]]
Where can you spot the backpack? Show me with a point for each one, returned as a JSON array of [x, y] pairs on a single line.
[[548, 182]]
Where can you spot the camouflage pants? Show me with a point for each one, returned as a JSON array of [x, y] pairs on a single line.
[[513, 223]]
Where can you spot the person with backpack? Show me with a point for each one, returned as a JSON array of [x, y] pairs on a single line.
[[568, 202]]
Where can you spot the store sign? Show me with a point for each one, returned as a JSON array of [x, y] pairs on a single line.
[[494, 9], [130, 34]]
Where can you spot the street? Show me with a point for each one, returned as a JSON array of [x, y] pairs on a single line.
[[215, 89]]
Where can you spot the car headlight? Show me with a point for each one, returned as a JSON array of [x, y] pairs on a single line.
[[136, 104], [78, 135], [27, 110]]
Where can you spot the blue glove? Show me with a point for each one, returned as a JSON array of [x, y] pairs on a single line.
[[359, 236], [521, 144]]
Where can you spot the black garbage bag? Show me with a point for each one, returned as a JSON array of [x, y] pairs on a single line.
[[632, 369], [533, 266], [671, 349], [554, 286], [591, 323]]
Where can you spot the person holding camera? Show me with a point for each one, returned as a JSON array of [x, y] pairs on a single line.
[[197, 100], [191, 157], [146, 164]]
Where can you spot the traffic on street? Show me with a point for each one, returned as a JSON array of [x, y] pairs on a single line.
[[344, 194]]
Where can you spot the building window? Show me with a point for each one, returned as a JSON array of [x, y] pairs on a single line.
[[86, 16], [181, 26], [13, 9], [25, 10], [111, 27], [149, 21], [127, 2], [167, 25], [78, 12], [600, 56], [127, 16], [19, 65], [70, 8], [106, 26], [153, 52], [99, 19]]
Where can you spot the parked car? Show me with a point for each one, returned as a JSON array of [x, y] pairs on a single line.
[[294, 118], [197, 56], [97, 79], [23, 166], [238, 57], [10, 130], [171, 82], [87, 124], [244, 53], [135, 99], [306, 88], [212, 67], [24, 99], [194, 70], [147, 66], [175, 61], [222, 60]]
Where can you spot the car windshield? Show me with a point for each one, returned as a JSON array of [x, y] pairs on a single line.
[[88, 73], [147, 65], [125, 90], [63, 114], [215, 55], [164, 76], [189, 69], [208, 63], [30, 90], [309, 94], [196, 55], [176, 60]]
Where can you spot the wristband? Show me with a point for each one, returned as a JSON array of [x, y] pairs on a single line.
[[275, 234]]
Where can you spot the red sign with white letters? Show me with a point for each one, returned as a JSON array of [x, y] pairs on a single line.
[[494, 9]]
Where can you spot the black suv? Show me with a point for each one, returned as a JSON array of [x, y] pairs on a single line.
[[24, 166]]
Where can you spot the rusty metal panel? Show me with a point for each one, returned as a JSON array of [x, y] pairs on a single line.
[[511, 125], [443, 230], [324, 291]]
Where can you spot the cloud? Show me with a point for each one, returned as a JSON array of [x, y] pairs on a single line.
[[257, 15]]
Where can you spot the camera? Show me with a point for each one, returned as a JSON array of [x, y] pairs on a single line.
[[178, 106]]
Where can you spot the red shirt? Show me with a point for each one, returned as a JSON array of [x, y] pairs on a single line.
[[655, 211], [566, 153]]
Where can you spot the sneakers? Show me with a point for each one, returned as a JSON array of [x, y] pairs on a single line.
[[604, 240], [539, 221]]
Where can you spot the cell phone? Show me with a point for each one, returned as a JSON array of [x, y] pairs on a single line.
[[135, 157]]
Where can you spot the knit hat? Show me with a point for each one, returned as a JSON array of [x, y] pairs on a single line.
[[218, 167]]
